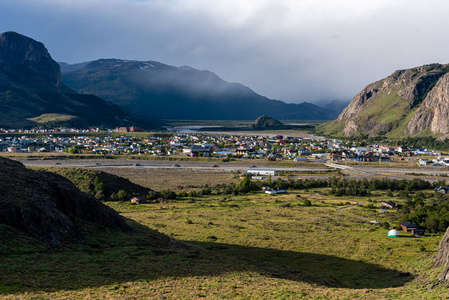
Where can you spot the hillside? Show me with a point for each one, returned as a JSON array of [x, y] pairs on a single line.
[[100, 184], [154, 90], [409, 102], [47, 206], [31, 91]]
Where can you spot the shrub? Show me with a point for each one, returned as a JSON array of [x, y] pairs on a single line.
[[306, 202]]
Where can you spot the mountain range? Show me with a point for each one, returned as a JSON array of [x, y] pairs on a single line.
[[32, 93], [410, 102], [150, 89]]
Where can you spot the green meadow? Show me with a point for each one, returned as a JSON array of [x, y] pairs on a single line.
[[252, 246]]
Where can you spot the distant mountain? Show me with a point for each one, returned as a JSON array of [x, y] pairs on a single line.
[[154, 90], [335, 106], [31, 91], [411, 102]]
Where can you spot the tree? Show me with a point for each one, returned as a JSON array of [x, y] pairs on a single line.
[[245, 185]]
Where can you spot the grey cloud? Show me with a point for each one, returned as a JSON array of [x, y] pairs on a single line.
[[289, 50]]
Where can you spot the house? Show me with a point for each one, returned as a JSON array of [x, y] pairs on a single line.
[[418, 232], [334, 155], [138, 200], [407, 226], [387, 204], [194, 151], [424, 162]]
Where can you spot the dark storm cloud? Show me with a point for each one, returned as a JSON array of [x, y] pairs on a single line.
[[291, 50]]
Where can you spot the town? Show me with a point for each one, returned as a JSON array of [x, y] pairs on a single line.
[[117, 142]]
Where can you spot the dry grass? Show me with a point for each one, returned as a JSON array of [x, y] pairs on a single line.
[[174, 179]]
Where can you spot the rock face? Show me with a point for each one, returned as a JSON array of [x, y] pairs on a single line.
[[48, 206], [27, 61], [389, 105], [443, 256], [434, 110]]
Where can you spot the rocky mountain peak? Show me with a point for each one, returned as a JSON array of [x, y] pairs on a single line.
[[386, 105], [27, 61]]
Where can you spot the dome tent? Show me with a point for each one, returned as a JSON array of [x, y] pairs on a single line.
[[393, 233]]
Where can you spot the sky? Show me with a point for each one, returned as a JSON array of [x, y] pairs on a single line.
[[291, 50]]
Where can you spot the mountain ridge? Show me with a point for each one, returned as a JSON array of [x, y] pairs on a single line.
[[156, 90]]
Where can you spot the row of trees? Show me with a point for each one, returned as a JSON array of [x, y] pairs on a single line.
[[338, 187]]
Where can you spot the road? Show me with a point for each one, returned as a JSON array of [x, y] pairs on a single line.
[[162, 164]]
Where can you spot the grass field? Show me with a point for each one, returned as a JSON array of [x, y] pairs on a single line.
[[254, 246]]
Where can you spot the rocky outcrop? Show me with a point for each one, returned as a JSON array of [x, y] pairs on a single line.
[[28, 62], [443, 256], [383, 105], [434, 110], [48, 206], [266, 122]]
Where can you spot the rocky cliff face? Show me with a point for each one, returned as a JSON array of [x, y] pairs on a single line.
[[48, 206], [386, 105], [28, 62], [443, 256], [434, 110]]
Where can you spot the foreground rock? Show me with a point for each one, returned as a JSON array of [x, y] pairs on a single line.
[[443, 256], [48, 206]]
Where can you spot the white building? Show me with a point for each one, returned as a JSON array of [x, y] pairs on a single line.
[[259, 172]]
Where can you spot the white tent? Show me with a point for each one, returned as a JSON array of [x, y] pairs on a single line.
[[393, 233]]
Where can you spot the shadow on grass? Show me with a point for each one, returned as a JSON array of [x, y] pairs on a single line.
[[112, 258], [325, 270]]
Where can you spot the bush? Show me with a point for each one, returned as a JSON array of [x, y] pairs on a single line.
[[119, 196], [306, 202], [168, 194]]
